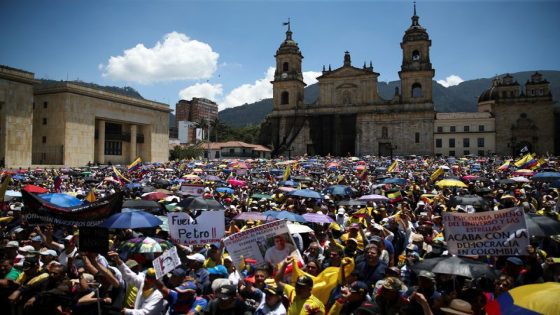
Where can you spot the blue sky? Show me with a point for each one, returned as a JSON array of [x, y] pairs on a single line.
[[224, 50]]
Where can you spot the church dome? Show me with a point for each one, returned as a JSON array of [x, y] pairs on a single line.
[[488, 95], [288, 46]]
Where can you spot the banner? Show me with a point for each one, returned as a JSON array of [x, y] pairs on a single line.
[[208, 227], [494, 233], [165, 263], [193, 190], [268, 243]]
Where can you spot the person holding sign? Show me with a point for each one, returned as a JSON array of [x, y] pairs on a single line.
[[281, 250]]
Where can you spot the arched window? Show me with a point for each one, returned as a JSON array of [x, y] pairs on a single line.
[[384, 133], [416, 55], [285, 98], [285, 67], [416, 90]]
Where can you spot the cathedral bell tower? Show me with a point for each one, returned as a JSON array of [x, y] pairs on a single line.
[[288, 85], [416, 70]]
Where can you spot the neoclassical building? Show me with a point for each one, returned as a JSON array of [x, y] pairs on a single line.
[[350, 117], [71, 124]]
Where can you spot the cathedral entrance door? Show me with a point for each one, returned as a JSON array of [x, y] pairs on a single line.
[[385, 149]]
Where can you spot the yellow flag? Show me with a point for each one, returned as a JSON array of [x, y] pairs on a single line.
[[4, 187], [393, 166], [436, 174], [91, 196], [523, 160], [326, 281], [287, 172]]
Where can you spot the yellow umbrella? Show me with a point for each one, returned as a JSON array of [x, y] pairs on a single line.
[[451, 183], [538, 298], [191, 177]]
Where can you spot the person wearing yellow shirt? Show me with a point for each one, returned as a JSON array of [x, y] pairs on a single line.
[[214, 257], [354, 232]]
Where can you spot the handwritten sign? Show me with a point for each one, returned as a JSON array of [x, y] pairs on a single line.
[[494, 233], [208, 227], [165, 263]]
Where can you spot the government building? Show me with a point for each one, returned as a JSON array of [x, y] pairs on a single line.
[[350, 118], [57, 123]]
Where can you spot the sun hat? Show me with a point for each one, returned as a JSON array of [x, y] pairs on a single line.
[[459, 307]]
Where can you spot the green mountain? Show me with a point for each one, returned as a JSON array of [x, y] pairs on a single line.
[[459, 98]]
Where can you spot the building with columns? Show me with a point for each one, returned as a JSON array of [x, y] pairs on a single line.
[[75, 124], [350, 117]]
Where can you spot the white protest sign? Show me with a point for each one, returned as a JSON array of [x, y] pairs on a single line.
[[494, 233], [268, 243], [165, 263], [193, 190], [208, 227]]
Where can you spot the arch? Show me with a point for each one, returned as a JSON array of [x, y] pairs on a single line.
[[285, 98], [285, 67], [416, 55], [416, 90]]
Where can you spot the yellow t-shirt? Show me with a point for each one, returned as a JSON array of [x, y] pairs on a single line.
[[310, 306]]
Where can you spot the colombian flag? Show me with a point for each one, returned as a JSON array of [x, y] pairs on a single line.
[[134, 165], [393, 166], [436, 174], [504, 166], [287, 172], [519, 163]]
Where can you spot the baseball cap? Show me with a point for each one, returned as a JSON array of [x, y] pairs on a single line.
[[49, 252], [427, 274], [12, 244], [304, 281], [179, 272], [197, 257], [369, 308], [227, 292], [218, 270], [36, 238], [26, 249], [188, 286], [358, 286], [274, 289]]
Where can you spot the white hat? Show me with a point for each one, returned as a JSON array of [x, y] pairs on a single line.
[[197, 257], [12, 244], [26, 249], [69, 237], [16, 206], [341, 210], [49, 252]]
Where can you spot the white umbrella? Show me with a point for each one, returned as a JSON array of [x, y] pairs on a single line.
[[520, 179], [298, 228]]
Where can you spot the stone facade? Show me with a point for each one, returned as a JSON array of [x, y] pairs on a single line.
[[74, 125], [16, 112]]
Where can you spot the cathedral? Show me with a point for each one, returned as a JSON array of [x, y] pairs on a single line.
[[350, 118]]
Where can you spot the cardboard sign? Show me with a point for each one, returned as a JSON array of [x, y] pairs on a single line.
[[494, 233], [193, 190], [207, 227], [260, 243], [94, 239], [165, 263]]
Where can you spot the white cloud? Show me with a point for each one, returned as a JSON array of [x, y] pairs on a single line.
[[176, 58], [244, 94], [206, 90], [451, 80]]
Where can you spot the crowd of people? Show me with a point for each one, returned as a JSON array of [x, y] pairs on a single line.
[[377, 244]]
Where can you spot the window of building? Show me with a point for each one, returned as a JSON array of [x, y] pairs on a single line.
[[231, 151], [439, 129], [466, 128], [416, 55], [113, 148], [438, 143], [416, 90], [466, 152], [452, 128], [285, 98], [384, 133], [480, 127], [480, 142], [417, 137], [44, 139], [541, 92], [285, 67], [44, 121], [451, 153], [452, 143], [45, 104], [466, 142]]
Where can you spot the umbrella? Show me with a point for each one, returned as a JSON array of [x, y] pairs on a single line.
[[546, 177], [373, 197], [61, 200], [451, 183], [132, 186], [147, 205], [317, 218], [298, 228], [303, 178], [199, 203], [251, 215], [541, 225], [285, 215], [473, 200], [458, 266], [34, 189], [352, 202], [506, 181], [340, 190], [212, 178], [290, 183], [131, 220], [155, 196], [236, 182], [191, 177], [523, 172], [261, 196], [286, 189], [306, 193], [395, 181], [527, 300], [225, 190], [520, 179], [142, 245]]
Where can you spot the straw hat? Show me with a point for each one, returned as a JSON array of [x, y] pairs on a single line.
[[459, 307]]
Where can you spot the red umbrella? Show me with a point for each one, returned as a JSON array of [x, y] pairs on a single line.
[[35, 189], [155, 196], [236, 182]]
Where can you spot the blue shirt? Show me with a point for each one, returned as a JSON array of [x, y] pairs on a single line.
[[177, 307]]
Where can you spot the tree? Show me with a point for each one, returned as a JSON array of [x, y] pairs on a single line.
[[189, 152]]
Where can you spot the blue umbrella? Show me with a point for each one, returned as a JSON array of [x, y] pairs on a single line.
[[396, 181], [289, 183], [340, 190], [61, 200], [306, 193], [546, 177], [285, 215], [225, 190], [132, 186], [131, 220]]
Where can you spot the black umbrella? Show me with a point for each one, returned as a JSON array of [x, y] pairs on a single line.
[[506, 181], [541, 225], [473, 200], [148, 189], [199, 203], [162, 182], [92, 180], [147, 205], [458, 266], [546, 177]]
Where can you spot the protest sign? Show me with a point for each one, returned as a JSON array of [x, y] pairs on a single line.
[[268, 243], [192, 190], [207, 227], [494, 233], [165, 263], [94, 239]]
